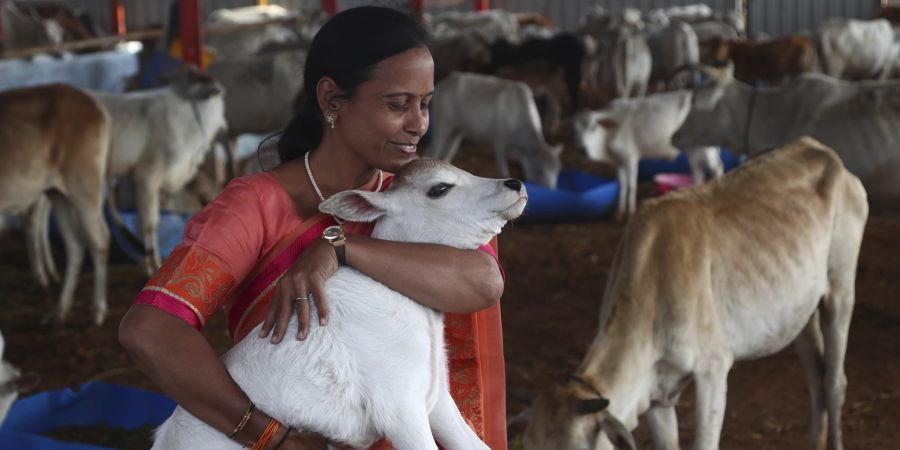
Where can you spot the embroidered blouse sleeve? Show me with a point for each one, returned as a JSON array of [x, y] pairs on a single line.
[[221, 244]]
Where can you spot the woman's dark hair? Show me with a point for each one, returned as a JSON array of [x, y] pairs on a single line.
[[346, 48]]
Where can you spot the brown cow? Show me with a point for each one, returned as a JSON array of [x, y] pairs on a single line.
[[55, 142], [771, 61]]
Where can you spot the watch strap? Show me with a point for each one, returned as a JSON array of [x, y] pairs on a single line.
[[340, 251]]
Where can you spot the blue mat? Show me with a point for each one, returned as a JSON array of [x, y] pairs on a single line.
[[578, 197], [647, 168], [170, 233], [95, 403]]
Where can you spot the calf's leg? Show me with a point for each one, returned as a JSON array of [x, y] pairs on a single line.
[[450, 428]]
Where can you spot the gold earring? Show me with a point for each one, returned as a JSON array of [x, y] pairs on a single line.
[[330, 118]]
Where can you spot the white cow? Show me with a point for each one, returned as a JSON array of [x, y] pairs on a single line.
[[493, 24], [631, 129], [248, 41], [705, 162], [859, 120], [159, 138], [488, 109], [379, 367], [672, 48], [856, 49], [55, 143], [704, 277]]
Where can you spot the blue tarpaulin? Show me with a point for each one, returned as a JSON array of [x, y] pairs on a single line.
[[94, 403]]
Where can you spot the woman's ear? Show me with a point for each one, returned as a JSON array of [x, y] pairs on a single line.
[[329, 95]]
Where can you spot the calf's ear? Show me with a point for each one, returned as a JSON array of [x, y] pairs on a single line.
[[355, 206]]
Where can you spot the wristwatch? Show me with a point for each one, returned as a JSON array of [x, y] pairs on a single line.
[[334, 235]]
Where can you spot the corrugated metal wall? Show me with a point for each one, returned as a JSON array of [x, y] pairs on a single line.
[[772, 17]]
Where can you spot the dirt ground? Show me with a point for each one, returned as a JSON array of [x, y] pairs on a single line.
[[556, 275]]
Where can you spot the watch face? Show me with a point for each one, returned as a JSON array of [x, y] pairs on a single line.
[[333, 232]]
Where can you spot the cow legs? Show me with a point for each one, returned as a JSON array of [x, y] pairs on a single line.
[[663, 426], [148, 193], [836, 314], [500, 156], [70, 230], [711, 382], [450, 428], [810, 349], [87, 203], [628, 173], [622, 208]]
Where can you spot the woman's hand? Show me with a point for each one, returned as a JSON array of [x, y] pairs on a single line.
[[304, 280]]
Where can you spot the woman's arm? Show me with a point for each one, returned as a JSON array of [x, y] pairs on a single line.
[[441, 277], [179, 359]]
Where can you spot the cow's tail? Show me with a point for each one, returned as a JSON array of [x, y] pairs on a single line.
[[38, 241]]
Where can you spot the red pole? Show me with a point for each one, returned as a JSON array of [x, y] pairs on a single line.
[[417, 7], [116, 17], [482, 5], [330, 7], [191, 32], [2, 38]]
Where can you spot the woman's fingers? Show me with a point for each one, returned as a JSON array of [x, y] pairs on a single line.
[[285, 302], [317, 287], [272, 311], [303, 317]]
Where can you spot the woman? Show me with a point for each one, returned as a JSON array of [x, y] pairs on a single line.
[[258, 250]]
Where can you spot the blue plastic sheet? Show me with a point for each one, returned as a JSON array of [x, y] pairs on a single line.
[[578, 197], [647, 168], [95, 403], [169, 233]]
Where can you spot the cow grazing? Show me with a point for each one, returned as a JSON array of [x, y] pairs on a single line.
[[631, 129], [772, 61], [488, 109], [698, 283], [859, 120], [856, 49], [55, 143], [159, 139], [379, 367]]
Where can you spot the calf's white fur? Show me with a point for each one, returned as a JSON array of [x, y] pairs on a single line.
[[379, 367]]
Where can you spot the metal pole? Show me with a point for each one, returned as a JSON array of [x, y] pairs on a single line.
[[330, 7], [116, 17], [262, 2], [482, 5], [191, 32], [2, 37]]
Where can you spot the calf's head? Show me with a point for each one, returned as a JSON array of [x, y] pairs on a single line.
[[566, 418], [432, 201], [544, 166]]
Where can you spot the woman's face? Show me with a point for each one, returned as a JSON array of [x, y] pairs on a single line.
[[388, 114]]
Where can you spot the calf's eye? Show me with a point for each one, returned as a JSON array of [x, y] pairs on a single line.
[[439, 190]]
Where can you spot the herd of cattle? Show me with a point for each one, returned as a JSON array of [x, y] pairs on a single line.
[[633, 85]]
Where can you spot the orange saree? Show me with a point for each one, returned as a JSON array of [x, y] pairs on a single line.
[[237, 248]]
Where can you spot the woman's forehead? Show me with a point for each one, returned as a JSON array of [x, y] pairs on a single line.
[[407, 73]]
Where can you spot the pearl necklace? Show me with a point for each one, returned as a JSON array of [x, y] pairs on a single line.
[[315, 186]]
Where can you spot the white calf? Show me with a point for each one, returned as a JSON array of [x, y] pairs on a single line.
[[631, 129], [728, 271], [9, 379], [379, 368], [159, 138], [488, 109]]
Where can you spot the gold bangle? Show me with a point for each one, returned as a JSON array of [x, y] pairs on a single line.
[[240, 426]]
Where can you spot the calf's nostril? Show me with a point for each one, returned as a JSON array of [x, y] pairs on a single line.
[[513, 184]]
